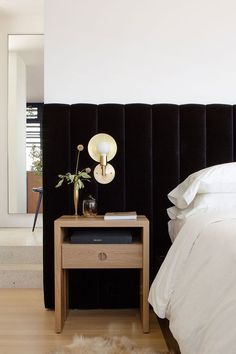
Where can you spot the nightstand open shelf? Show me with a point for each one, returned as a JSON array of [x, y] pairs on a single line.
[[100, 256]]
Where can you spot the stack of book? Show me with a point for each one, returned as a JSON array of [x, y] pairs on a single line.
[[122, 215]]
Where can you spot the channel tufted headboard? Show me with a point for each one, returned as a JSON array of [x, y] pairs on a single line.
[[158, 146]]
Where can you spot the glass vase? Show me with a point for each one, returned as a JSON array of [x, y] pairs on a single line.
[[89, 207]]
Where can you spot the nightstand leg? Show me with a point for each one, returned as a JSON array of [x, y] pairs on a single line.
[[145, 280], [59, 306], [61, 300], [65, 294], [144, 305]]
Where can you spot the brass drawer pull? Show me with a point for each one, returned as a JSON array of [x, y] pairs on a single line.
[[102, 256]]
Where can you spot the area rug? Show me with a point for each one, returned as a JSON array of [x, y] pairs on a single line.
[[103, 345]]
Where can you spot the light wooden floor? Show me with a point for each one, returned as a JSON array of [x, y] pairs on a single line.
[[27, 328], [16, 236]]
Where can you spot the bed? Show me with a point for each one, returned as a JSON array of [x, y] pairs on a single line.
[[195, 287], [166, 142]]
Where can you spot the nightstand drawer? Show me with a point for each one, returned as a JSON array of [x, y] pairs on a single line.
[[102, 256]]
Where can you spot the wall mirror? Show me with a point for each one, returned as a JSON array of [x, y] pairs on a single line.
[[25, 107]]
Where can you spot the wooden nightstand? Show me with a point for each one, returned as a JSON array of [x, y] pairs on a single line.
[[75, 256]]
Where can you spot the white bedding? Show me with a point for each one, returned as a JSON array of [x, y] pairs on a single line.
[[195, 287], [174, 227]]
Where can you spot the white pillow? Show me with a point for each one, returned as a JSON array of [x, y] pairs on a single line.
[[203, 203], [214, 179]]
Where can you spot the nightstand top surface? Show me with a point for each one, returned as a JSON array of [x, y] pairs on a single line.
[[82, 221]]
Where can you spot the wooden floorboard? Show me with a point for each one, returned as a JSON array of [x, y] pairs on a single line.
[[26, 327]]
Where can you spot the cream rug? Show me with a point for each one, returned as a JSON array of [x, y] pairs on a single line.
[[103, 345]]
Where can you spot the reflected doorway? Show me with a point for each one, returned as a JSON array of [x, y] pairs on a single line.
[[34, 114]]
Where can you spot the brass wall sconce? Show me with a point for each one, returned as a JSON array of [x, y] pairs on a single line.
[[102, 148]]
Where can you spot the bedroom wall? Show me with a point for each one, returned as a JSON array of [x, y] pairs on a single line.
[[148, 51], [22, 24]]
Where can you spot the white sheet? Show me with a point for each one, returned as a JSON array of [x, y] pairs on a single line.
[[195, 287]]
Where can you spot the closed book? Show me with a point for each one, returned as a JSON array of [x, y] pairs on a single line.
[[101, 236], [122, 215]]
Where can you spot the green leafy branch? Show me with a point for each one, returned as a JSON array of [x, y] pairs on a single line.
[[37, 161], [78, 177]]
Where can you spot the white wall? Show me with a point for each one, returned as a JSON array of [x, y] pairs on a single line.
[[126, 51], [140, 51], [24, 24]]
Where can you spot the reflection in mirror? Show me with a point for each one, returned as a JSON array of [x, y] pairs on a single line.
[[25, 104]]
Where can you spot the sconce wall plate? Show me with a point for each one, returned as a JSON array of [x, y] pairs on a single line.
[[109, 176]]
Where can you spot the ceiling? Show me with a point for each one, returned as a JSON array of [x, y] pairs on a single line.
[[21, 7]]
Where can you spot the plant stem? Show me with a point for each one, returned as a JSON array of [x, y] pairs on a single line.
[[77, 163]]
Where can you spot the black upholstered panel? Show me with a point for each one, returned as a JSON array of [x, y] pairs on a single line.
[[166, 170], [84, 121], [219, 127], [158, 146], [56, 159], [192, 136], [111, 121], [138, 158]]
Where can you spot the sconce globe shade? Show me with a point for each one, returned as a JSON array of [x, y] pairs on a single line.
[[102, 144], [103, 147]]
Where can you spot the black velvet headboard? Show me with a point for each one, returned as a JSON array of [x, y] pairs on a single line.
[[158, 146]]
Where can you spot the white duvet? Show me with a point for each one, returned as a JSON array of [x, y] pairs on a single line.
[[195, 287]]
